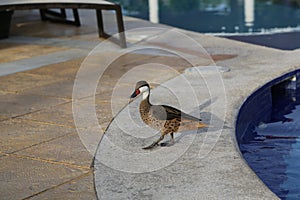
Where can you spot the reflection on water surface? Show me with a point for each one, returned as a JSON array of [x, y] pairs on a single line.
[[219, 16]]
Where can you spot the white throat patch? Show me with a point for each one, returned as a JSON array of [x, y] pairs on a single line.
[[145, 91]]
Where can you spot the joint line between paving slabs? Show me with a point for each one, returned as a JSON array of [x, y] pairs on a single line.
[[47, 161], [56, 186]]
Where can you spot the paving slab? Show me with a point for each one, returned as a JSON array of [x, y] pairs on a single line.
[[60, 89], [23, 177], [12, 105], [67, 149], [64, 70], [39, 61], [2, 118], [19, 82], [77, 189], [11, 52], [57, 43], [18, 134], [61, 115]]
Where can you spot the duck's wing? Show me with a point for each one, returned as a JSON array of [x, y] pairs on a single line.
[[173, 112], [163, 112], [158, 112], [189, 117]]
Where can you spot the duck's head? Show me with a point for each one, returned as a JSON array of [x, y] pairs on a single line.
[[141, 87]]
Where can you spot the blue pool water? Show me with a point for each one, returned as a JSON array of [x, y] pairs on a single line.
[[272, 23], [268, 133], [219, 16]]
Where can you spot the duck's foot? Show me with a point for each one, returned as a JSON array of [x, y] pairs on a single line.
[[150, 146], [167, 144], [155, 143]]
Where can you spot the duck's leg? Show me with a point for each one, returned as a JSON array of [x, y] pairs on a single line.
[[172, 138], [156, 142], [169, 143]]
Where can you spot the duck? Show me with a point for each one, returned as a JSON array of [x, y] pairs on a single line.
[[166, 119]]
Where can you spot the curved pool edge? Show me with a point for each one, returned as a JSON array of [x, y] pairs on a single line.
[[260, 104], [257, 92]]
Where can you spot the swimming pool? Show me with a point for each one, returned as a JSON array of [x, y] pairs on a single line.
[[268, 130], [271, 23], [219, 16]]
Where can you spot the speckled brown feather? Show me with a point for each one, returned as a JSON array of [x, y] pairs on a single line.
[[165, 120]]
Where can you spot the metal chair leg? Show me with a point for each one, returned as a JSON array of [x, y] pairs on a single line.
[[120, 24]]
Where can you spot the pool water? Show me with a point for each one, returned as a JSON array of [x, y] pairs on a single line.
[[219, 16], [270, 141]]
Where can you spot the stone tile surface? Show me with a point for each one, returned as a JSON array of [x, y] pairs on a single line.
[[68, 149], [65, 70], [12, 52], [23, 177], [18, 134], [60, 89], [77, 189], [24, 81], [61, 115], [12, 105]]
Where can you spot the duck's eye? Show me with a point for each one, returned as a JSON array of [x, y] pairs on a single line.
[[137, 92]]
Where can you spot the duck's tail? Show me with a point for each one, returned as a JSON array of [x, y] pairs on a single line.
[[191, 125], [202, 125]]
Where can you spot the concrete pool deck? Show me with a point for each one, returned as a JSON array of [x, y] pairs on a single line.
[[202, 165], [43, 156]]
